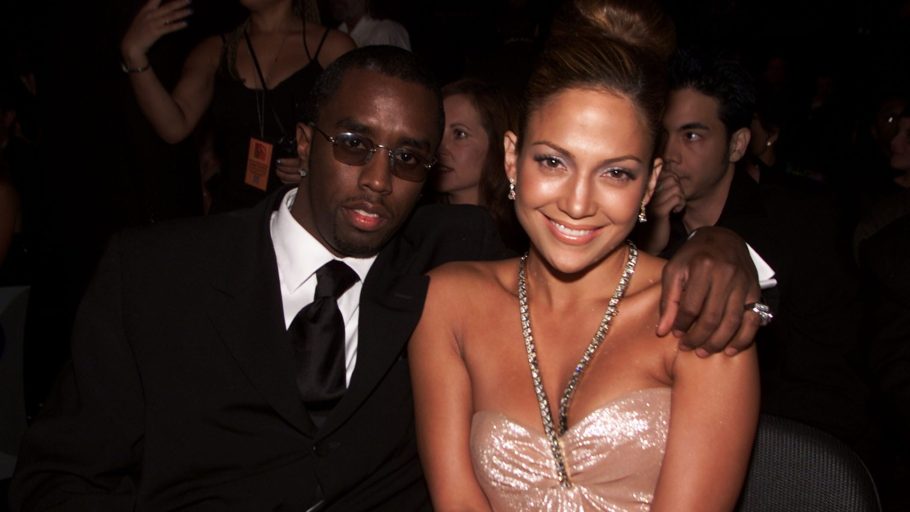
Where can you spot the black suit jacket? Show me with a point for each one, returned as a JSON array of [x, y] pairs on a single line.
[[181, 391], [807, 353]]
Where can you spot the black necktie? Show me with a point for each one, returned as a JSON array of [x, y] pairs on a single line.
[[318, 337]]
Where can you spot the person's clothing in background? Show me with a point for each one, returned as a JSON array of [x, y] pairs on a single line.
[[370, 31], [239, 112]]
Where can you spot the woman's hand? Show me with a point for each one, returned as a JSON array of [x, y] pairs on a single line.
[[288, 170], [151, 22]]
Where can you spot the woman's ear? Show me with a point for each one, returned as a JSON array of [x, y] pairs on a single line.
[[510, 144], [656, 169]]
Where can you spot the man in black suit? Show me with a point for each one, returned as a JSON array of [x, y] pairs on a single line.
[[185, 392], [804, 353]]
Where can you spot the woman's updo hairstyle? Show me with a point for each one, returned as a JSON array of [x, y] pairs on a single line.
[[618, 46]]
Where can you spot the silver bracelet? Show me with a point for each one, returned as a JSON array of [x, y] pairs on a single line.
[[129, 71]]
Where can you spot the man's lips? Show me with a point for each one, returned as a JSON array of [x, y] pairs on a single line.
[[366, 216]]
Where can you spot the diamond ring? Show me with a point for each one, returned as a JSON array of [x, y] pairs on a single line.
[[762, 310]]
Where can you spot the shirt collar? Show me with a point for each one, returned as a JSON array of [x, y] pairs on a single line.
[[298, 253]]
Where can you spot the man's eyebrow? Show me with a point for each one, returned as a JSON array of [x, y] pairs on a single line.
[[353, 126], [695, 126], [421, 143]]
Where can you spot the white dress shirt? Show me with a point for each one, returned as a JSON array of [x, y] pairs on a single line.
[[299, 255]]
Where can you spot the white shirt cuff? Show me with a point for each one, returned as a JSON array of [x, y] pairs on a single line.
[[765, 272]]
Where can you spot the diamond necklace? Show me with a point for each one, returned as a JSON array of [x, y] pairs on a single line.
[[542, 401]]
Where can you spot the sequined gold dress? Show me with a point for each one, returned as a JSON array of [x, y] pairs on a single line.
[[613, 457]]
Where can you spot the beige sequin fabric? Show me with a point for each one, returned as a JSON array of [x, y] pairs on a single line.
[[613, 458]]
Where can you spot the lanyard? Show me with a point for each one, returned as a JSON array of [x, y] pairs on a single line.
[[263, 94]]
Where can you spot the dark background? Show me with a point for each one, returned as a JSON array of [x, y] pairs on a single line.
[[100, 168]]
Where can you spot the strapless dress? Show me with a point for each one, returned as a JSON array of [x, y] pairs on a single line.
[[613, 457]]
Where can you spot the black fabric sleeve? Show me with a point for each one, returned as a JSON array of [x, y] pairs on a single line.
[[82, 452]]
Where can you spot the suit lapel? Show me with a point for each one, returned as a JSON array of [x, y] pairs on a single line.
[[390, 306], [245, 309]]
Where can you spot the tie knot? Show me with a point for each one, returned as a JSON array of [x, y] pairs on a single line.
[[334, 278]]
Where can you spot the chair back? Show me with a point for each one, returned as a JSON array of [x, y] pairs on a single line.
[[795, 467], [13, 302]]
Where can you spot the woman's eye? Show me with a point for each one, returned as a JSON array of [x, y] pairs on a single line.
[[460, 134], [548, 161], [618, 173]]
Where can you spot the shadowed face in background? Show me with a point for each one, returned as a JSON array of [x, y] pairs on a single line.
[[697, 145], [464, 146]]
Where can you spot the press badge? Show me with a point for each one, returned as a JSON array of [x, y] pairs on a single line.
[[258, 162]]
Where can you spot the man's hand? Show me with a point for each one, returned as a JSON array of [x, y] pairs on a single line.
[[705, 287], [668, 196]]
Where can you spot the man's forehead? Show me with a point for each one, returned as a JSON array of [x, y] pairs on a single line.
[[365, 97], [690, 105], [368, 84]]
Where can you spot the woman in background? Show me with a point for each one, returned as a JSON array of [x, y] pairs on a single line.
[[254, 79], [470, 168]]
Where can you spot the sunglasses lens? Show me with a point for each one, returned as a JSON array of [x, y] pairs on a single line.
[[407, 164], [351, 149]]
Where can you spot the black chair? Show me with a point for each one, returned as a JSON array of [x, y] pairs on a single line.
[[796, 468]]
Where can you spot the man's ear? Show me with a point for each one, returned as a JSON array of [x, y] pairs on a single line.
[[652, 180], [304, 139], [739, 144], [510, 144]]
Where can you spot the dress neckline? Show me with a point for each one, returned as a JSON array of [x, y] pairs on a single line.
[[627, 395]]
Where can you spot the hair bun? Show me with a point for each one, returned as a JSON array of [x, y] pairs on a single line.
[[638, 23]]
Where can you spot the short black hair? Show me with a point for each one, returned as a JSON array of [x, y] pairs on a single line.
[[722, 78], [387, 60]]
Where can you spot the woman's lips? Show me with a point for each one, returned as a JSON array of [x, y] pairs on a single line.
[[574, 235]]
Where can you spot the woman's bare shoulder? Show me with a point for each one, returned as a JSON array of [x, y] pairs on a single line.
[[641, 306], [647, 276], [207, 53], [336, 43], [472, 270], [473, 275]]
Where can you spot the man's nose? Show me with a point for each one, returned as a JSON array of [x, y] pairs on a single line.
[[376, 174]]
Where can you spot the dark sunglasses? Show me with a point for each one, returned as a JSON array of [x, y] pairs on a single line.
[[352, 149]]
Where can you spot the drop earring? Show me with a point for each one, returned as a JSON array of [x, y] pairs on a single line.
[[642, 218], [511, 190]]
